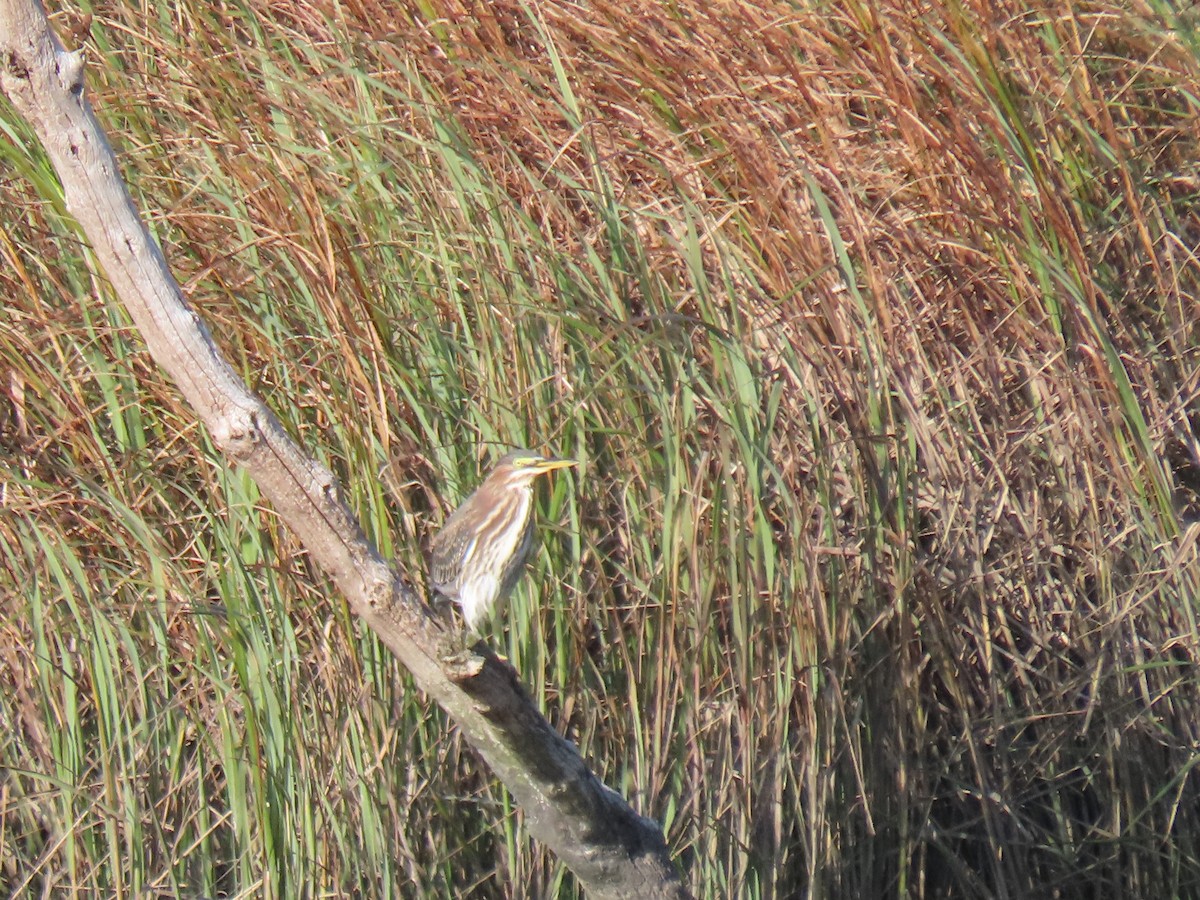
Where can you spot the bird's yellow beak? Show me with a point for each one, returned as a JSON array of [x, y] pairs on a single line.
[[549, 465]]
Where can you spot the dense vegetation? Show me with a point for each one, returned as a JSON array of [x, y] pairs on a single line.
[[875, 326]]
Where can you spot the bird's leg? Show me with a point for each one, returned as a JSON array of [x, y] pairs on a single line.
[[463, 665], [442, 605]]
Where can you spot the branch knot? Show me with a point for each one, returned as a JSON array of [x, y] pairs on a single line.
[[70, 71]]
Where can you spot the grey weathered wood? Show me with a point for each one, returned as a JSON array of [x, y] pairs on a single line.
[[614, 852]]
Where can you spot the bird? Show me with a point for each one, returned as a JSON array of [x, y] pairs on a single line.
[[479, 555]]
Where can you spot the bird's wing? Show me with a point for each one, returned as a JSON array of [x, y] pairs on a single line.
[[448, 551]]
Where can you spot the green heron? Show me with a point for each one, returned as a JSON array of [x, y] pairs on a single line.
[[480, 554]]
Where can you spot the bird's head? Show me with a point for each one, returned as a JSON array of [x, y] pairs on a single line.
[[520, 467]]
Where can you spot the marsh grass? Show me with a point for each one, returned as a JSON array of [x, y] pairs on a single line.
[[874, 328]]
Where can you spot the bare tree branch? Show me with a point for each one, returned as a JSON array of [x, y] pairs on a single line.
[[614, 852]]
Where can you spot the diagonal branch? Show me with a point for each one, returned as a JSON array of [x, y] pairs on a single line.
[[611, 849]]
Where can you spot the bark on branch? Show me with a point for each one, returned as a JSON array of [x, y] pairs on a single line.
[[614, 852]]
